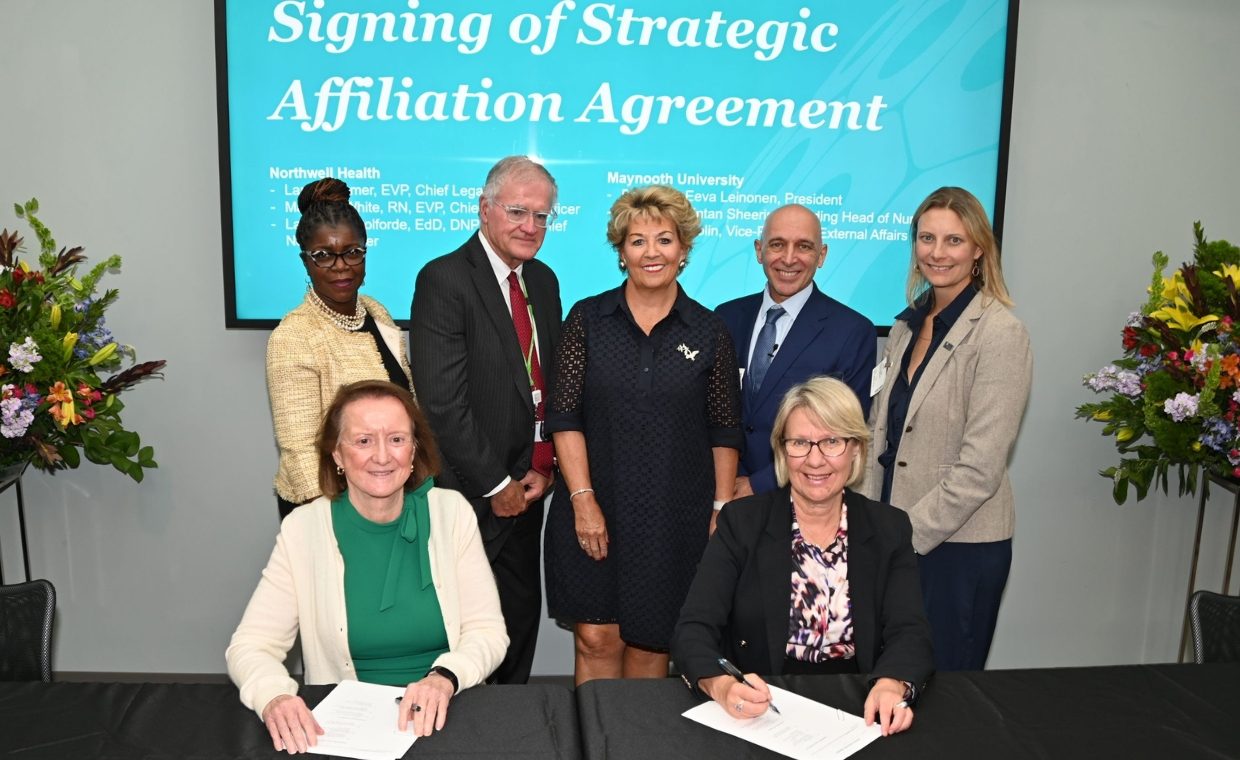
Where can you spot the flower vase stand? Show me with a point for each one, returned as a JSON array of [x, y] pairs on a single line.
[[16, 483], [1233, 487]]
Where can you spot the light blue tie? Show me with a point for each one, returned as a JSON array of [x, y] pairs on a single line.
[[763, 350]]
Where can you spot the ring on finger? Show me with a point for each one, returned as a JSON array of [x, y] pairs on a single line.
[[740, 706], [417, 708], [902, 703]]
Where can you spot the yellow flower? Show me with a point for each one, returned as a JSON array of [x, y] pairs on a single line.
[[1230, 271], [1179, 316], [55, 316], [1196, 446], [1102, 415], [1124, 434], [102, 354], [68, 343], [62, 407]]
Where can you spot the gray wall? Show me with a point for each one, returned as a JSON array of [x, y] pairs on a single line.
[[1123, 134]]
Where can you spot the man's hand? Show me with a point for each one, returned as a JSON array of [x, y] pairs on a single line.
[[510, 501], [535, 485], [742, 488]]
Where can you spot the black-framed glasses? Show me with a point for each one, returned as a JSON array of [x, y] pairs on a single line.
[[327, 259], [520, 215], [798, 448]]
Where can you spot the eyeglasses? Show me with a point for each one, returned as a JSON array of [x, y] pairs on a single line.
[[519, 215], [798, 448], [327, 259]]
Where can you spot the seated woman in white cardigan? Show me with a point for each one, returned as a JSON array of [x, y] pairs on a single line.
[[385, 576]]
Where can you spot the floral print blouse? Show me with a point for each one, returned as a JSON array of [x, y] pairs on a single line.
[[820, 627]]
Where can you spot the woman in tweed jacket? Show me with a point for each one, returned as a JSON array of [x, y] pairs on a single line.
[[957, 369], [335, 337]]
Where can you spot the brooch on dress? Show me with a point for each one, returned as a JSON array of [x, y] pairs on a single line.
[[690, 355]]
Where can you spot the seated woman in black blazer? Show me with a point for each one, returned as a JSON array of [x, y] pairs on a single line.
[[811, 578]]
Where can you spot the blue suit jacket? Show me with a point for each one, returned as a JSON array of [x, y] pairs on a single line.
[[827, 338]]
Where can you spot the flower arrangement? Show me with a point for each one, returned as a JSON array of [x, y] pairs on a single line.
[[55, 348], [1174, 397]]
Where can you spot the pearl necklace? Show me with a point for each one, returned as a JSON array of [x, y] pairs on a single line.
[[343, 321]]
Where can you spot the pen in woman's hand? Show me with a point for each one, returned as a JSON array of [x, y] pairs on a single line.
[[736, 673]]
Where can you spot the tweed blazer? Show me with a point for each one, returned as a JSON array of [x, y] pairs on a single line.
[[308, 359], [951, 468], [302, 591]]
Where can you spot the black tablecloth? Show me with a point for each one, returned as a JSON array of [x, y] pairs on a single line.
[[1154, 711], [201, 721]]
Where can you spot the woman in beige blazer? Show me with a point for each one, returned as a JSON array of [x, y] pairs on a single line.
[[955, 379], [335, 337]]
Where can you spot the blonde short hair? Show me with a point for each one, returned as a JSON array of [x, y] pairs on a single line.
[[833, 405], [989, 281], [653, 202]]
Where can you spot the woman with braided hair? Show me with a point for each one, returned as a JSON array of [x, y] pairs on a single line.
[[333, 338]]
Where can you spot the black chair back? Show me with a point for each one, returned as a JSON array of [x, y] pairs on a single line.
[[26, 611], [1215, 620]]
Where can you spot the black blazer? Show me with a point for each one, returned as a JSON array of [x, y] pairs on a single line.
[[469, 373], [740, 601]]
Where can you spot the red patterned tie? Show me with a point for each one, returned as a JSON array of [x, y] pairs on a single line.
[[544, 453]]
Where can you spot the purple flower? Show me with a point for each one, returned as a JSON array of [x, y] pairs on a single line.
[[22, 356], [1218, 434], [1112, 378], [1180, 408], [15, 416]]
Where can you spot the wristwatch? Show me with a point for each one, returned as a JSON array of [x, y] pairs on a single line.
[[910, 693], [440, 670]]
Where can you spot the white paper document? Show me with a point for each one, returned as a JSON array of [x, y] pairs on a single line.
[[359, 720], [806, 730]]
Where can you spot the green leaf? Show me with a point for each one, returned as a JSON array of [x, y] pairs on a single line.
[[146, 456], [1120, 491], [71, 455]]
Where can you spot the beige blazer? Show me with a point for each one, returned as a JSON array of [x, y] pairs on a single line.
[[951, 468], [302, 588], [308, 359]]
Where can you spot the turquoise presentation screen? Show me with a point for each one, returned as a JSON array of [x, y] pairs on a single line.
[[856, 109]]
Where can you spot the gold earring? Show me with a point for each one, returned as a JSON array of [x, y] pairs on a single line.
[[977, 271]]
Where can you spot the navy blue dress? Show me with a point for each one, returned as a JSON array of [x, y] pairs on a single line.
[[651, 409]]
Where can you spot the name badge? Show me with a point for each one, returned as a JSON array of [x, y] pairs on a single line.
[[537, 396], [878, 378], [540, 435]]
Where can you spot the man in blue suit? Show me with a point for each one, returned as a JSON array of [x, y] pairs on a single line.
[[789, 332]]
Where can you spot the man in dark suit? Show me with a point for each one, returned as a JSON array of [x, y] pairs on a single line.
[[788, 333], [483, 330]]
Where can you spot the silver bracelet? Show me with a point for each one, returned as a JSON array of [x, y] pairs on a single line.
[[579, 491]]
